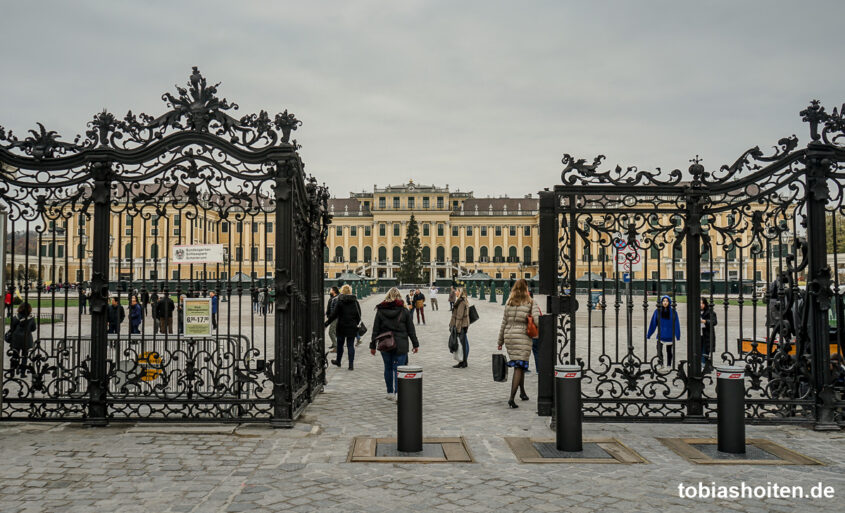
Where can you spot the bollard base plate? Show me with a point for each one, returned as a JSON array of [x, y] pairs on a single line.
[[596, 450], [391, 450], [758, 451], [589, 450], [435, 450]]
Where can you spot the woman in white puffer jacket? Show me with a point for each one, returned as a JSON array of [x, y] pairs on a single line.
[[514, 336]]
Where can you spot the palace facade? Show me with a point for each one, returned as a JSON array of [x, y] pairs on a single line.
[[460, 235]]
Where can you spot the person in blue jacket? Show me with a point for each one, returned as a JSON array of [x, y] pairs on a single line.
[[665, 321], [136, 315]]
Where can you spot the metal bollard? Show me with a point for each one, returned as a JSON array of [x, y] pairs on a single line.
[[568, 407], [730, 393], [409, 411]]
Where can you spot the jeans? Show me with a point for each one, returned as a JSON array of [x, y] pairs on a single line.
[[705, 347], [535, 348], [433, 301], [420, 311], [670, 352], [465, 341], [333, 333], [350, 344], [391, 362], [135, 328]]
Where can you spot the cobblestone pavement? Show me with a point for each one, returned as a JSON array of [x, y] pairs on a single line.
[[227, 468]]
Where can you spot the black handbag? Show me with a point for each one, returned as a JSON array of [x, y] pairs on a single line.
[[453, 340], [500, 367], [362, 329], [385, 341], [473, 314]]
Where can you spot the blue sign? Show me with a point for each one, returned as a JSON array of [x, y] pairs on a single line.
[[626, 277]]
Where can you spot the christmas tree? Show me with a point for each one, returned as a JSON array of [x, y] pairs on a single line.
[[410, 270]]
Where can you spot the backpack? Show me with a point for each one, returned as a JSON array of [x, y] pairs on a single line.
[[20, 337]]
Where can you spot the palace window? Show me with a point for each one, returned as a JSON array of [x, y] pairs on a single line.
[[353, 231], [411, 203], [395, 229], [396, 202], [440, 202], [483, 231], [512, 231], [426, 230], [440, 229], [425, 202], [498, 231], [382, 229], [367, 231], [382, 202]]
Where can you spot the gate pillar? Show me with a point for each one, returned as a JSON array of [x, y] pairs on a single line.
[[97, 377], [548, 259], [819, 159]]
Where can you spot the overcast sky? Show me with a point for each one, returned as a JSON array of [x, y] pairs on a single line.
[[483, 96]]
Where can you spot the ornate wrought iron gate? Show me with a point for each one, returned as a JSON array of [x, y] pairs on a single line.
[[758, 239], [104, 217]]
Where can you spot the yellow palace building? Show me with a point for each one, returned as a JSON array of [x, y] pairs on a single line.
[[459, 233]]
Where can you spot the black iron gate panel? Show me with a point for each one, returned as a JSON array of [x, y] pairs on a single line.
[[751, 239], [103, 235]]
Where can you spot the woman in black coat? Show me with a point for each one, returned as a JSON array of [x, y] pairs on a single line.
[[392, 316], [20, 336], [347, 311], [708, 333]]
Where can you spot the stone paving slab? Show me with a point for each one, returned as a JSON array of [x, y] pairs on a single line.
[[64, 467]]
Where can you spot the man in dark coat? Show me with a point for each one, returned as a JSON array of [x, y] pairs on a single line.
[[333, 293], [83, 300], [145, 300], [115, 315], [347, 311], [164, 310]]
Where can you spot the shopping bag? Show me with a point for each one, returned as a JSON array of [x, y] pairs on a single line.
[[500, 367], [453, 341]]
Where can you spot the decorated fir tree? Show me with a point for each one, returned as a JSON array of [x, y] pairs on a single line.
[[410, 269]]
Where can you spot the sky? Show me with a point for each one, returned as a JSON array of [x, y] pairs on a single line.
[[481, 95]]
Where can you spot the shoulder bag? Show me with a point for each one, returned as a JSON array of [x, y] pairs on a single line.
[[531, 329], [385, 341], [473, 314]]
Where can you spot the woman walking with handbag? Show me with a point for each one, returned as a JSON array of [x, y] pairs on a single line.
[[347, 311], [514, 334], [392, 328], [460, 323]]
